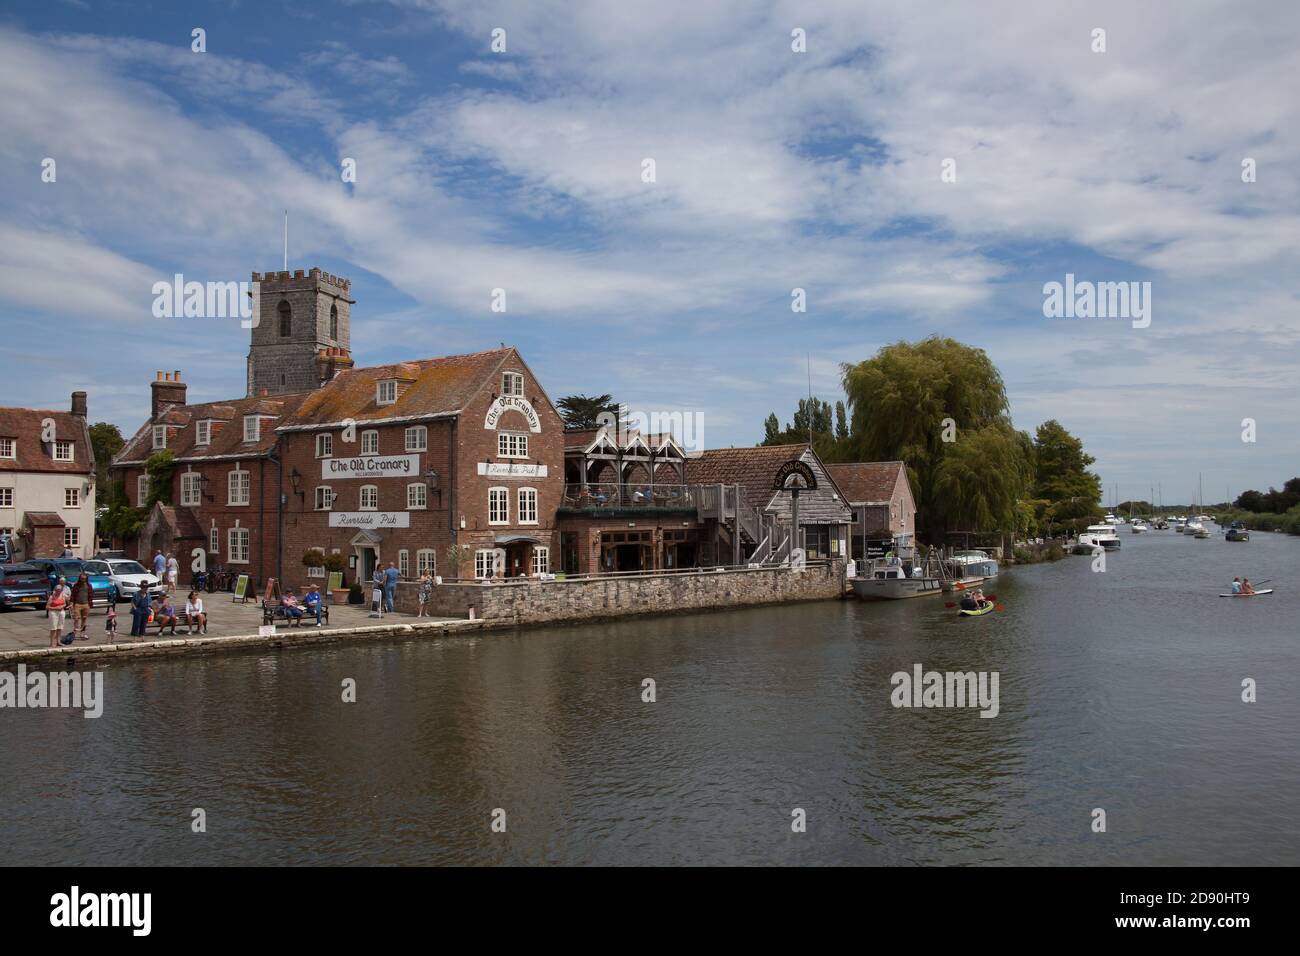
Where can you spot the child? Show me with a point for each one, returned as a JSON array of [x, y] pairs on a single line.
[[110, 624]]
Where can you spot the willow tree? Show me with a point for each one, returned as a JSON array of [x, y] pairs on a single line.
[[925, 401]]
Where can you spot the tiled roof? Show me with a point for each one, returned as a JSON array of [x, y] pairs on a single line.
[[866, 482], [426, 387], [44, 519], [227, 437], [181, 521], [25, 425], [752, 468]]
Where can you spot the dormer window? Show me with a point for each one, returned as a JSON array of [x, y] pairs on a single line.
[[386, 392], [159, 437], [512, 383], [203, 432], [252, 428], [63, 451]]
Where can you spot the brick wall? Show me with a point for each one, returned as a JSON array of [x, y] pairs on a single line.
[[533, 601]]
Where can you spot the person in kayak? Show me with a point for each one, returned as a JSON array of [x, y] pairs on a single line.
[[1236, 585], [968, 602]]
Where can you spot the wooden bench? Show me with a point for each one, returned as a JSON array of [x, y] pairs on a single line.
[[182, 620], [276, 612]]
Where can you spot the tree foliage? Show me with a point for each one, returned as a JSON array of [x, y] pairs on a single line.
[[105, 441], [583, 411]]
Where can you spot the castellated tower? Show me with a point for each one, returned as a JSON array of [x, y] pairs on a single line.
[[303, 334]]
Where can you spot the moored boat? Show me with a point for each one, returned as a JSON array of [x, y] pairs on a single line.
[[1103, 535], [888, 583], [968, 568], [1236, 532]]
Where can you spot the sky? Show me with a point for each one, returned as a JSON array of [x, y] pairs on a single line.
[[823, 170]]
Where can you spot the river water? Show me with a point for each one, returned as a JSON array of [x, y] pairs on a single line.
[[1118, 690]]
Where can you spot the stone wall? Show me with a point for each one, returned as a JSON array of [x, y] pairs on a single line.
[[530, 601]]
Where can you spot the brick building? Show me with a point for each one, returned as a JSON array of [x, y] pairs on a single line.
[[47, 481], [884, 510], [399, 462]]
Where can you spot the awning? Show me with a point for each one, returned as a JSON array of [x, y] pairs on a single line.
[[367, 538], [516, 538]]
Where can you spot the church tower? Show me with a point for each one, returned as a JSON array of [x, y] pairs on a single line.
[[303, 334]]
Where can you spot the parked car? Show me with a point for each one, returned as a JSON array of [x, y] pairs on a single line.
[[101, 585], [23, 585], [127, 576]]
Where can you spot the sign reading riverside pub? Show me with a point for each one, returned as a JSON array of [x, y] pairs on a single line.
[[504, 404], [370, 520], [371, 466]]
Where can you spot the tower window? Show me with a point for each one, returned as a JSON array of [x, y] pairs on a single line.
[[286, 319], [334, 322]]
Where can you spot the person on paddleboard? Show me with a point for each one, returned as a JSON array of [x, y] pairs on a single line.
[[1246, 587], [1236, 585]]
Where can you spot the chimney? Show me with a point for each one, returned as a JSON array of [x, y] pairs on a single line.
[[79, 404], [168, 390], [330, 361]]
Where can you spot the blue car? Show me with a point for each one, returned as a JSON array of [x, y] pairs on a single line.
[[22, 585], [101, 585]]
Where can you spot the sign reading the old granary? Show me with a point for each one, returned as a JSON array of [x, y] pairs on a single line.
[[794, 474], [371, 466], [506, 403]]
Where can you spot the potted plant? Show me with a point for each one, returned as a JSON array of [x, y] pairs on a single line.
[[354, 594], [457, 554]]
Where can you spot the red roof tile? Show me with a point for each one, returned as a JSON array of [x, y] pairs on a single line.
[[752, 468], [25, 425], [227, 436], [866, 482]]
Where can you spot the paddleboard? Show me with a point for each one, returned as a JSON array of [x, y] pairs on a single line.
[[1253, 594]]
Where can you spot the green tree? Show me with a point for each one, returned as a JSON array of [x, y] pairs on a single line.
[[583, 411], [772, 430], [841, 423], [920, 402], [1061, 465], [160, 467], [105, 441]]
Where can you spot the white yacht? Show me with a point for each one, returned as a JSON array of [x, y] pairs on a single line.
[[1103, 535], [1139, 526], [971, 567], [1110, 519]]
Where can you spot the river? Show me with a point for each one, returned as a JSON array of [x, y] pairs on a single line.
[[1118, 690]]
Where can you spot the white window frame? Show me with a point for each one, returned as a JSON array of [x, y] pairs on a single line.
[[417, 496], [214, 540], [499, 505], [203, 431], [512, 383], [482, 566], [8, 448], [512, 445], [239, 484], [404, 563], [328, 503], [527, 506], [370, 442], [324, 445], [159, 437], [386, 392], [6, 497], [371, 492], [420, 434], [426, 559], [541, 560], [72, 536], [191, 488], [61, 446], [245, 540], [141, 490], [72, 497]]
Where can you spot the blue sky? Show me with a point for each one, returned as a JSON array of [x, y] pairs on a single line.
[[774, 170]]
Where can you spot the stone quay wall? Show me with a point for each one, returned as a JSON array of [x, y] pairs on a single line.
[[532, 601]]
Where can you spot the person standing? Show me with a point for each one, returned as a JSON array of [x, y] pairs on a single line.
[[56, 606], [391, 576], [140, 606], [378, 596], [159, 565], [426, 591], [82, 596], [173, 573]]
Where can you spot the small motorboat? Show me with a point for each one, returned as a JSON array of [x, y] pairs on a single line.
[[1259, 593], [1139, 526], [988, 606], [1236, 532]]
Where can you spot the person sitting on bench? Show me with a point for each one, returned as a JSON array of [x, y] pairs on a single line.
[[292, 609], [165, 614], [194, 616], [311, 602]]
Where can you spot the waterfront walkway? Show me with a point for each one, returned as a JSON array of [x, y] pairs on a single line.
[[24, 638]]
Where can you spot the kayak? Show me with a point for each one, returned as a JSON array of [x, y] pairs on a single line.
[[1252, 594], [977, 612]]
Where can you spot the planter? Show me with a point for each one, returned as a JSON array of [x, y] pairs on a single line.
[[339, 596]]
